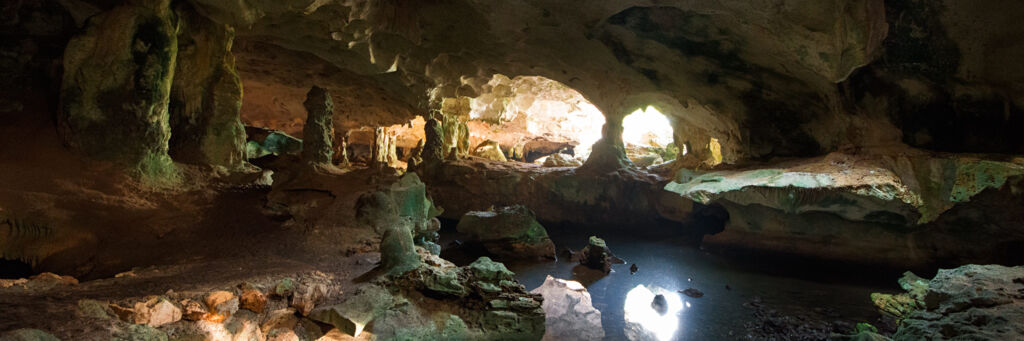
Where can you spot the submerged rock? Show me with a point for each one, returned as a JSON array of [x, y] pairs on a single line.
[[596, 255], [569, 312], [508, 232], [692, 292]]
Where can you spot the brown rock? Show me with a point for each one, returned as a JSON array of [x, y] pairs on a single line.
[[54, 278], [281, 319], [254, 300], [306, 298], [221, 305], [123, 314], [194, 311]]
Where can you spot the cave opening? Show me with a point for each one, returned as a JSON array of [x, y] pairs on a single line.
[[14, 269], [533, 119], [648, 137]]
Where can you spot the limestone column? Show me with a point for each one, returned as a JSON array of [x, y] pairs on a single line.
[[608, 153], [206, 96], [382, 152], [318, 132], [116, 87]]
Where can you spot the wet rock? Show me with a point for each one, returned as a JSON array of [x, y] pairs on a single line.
[[221, 305], [510, 232], [318, 132], [977, 302], [568, 310], [692, 292], [26, 334], [253, 300], [490, 150], [633, 269], [659, 304], [596, 255], [561, 160]]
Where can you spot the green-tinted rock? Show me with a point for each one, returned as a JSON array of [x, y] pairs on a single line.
[[596, 255], [139, 332], [285, 287], [116, 88], [206, 95], [486, 269], [444, 282], [397, 251], [510, 232], [95, 309]]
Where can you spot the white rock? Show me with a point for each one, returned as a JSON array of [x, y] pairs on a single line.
[[570, 314]]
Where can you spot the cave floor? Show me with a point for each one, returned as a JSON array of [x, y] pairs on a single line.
[[745, 296]]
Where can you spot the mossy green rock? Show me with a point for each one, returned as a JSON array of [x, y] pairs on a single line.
[[488, 270], [116, 87], [508, 232]]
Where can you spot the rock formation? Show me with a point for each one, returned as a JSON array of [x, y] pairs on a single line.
[[568, 311], [596, 255], [510, 232], [318, 132]]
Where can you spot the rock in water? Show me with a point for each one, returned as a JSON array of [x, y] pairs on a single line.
[[490, 150], [633, 269], [318, 132], [659, 304], [510, 232], [692, 292], [569, 312], [972, 302], [596, 255]]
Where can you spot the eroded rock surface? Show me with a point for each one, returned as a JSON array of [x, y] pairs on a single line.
[[510, 232], [569, 312]]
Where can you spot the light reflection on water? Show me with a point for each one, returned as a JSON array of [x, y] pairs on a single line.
[[643, 322]]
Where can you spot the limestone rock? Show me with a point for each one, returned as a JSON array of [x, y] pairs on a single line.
[[508, 232], [116, 87], [284, 287], [397, 251], [318, 132], [94, 309], [307, 297], [978, 302], [596, 255], [221, 305], [490, 150], [254, 300], [139, 332], [561, 160], [206, 95], [568, 310], [193, 310]]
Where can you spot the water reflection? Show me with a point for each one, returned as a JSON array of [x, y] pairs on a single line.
[[644, 322]]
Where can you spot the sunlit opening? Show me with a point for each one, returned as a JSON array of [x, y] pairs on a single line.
[[639, 312], [648, 127]]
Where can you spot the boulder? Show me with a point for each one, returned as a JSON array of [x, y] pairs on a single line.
[[490, 150], [972, 302], [510, 232], [596, 255], [253, 300], [569, 312], [561, 160], [221, 305]]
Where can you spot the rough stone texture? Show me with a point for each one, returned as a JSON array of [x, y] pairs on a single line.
[[116, 87], [382, 151], [561, 160], [206, 95], [596, 255], [26, 334], [490, 150], [318, 132], [509, 232], [972, 302], [568, 311]]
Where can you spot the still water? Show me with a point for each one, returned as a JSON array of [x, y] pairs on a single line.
[[666, 265]]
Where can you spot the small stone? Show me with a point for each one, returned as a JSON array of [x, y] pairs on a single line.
[[254, 300], [281, 319], [193, 311], [221, 305], [305, 299], [284, 288], [633, 269], [659, 304], [692, 292], [164, 312]]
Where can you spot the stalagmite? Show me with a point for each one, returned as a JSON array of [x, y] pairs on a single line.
[[317, 147]]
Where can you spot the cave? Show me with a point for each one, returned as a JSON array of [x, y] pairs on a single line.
[[511, 170]]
